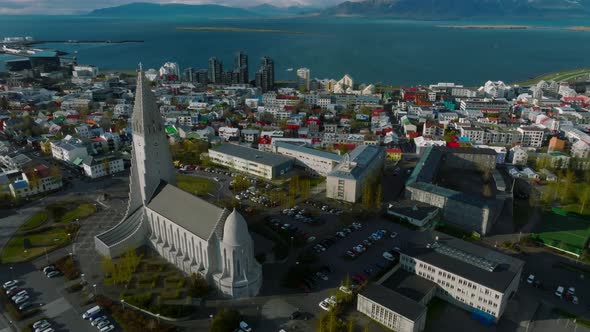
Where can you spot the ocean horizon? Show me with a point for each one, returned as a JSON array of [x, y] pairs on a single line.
[[387, 51]]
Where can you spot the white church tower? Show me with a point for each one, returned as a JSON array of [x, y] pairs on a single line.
[[151, 161]]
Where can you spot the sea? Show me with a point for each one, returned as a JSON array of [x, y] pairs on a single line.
[[385, 51]]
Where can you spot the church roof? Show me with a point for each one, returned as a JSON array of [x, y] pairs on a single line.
[[235, 230], [187, 211]]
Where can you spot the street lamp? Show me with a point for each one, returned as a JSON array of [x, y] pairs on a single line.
[[12, 272], [123, 303], [158, 316], [94, 286], [82, 277]]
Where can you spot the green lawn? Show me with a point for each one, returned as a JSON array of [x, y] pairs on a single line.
[[563, 75], [34, 221], [566, 232], [194, 185], [46, 239], [70, 210], [82, 211]]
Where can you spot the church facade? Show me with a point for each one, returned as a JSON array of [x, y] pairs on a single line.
[[191, 233]]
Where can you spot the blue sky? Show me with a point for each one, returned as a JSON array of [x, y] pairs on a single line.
[[82, 6]]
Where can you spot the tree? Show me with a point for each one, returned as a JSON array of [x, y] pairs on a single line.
[[226, 320], [4, 103], [378, 197], [583, 198], [198, 286], [367, 196], [107, 265], [568, 183]]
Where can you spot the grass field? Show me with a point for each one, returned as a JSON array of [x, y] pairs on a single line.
[[46, 239], [34, 221], [566, 232], [82, 211], [563, 75], [70, 210], [194, 185]]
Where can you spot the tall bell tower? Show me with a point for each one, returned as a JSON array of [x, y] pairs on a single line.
[[151, 158]]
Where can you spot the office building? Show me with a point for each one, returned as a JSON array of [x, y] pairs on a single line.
[[241, 68], [265, 77], [215, 71], [251, 161], [313, 161], [347, 181]]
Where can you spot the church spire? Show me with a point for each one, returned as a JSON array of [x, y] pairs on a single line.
[[146, 117]]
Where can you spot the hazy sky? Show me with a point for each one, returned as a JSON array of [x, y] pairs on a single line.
[[82, 6]]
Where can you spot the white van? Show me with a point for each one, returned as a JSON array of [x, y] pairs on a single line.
[[91, 312], [559, 291]]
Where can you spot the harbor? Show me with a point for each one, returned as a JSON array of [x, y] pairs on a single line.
[[23, 46]]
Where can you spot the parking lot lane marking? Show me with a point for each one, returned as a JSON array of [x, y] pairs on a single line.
[[57, 307]]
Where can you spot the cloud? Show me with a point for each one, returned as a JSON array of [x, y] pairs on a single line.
[[82, 6]]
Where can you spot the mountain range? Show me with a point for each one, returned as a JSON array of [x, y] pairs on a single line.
[[457, 9], [410, 9]]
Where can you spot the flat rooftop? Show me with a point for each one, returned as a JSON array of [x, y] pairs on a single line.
[[409, 285], [311, 151], [257, 156], [394, 301], [465, 259], [413, 209]]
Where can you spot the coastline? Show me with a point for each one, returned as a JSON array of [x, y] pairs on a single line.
[[485, 26], [231, 29], [579, 28]]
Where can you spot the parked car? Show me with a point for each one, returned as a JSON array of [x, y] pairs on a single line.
[[245, 327], [10, 283], [53, 274], [345, 290], [41, 323], [388, 256], [11, 290], [49, 268], [531, 279], [19, 294], [98, 320], [21, 299], [538, 284], [25, 306], [393, 235], [102, 323], [107, 328], [559, 291], [324, 306]]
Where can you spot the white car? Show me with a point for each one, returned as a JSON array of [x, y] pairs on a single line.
[[107, 328], [244, 326], [324, 306], [559, 291], [21, 299], [19, 294], [39, 323], [103, 323], [10, 283], [531, 279], [331, 300], [345, 290], [575, 300], [388, 256], [98, 320]]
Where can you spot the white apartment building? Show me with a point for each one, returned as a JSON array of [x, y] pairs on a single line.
[[258, 163], [320, 100], [83, 131], [312, 160], [229, 133], [518, 156], [475, 278], [122, 110], [303, 77], [475, 134], [68, 151], [96, 167], [531, 136], [580, 149], [32, 184]]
